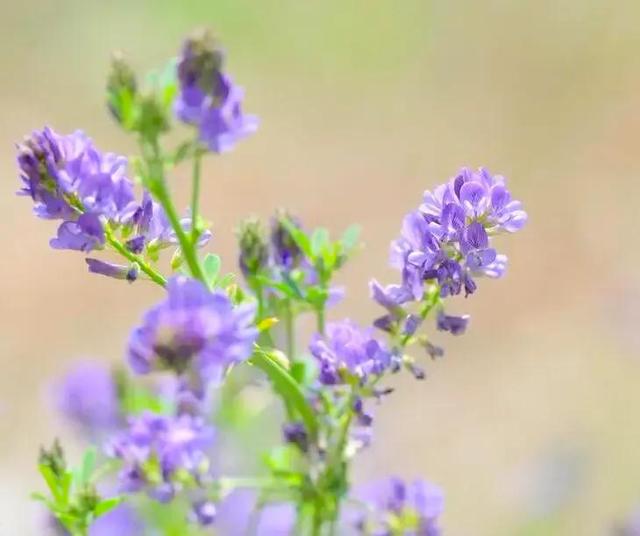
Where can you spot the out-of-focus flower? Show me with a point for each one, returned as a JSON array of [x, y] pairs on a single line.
[[87, 397], [238, 513], [161, 454], [456, 325], [397, 507], [122, 521], [208, 99], [193, 329], [351, 349]]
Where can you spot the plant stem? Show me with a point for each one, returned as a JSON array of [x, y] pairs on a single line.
[[157, 185], [187, 247], [289, 328], [195, 198], [132, 257]]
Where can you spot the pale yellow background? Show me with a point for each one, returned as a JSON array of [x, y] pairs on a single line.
[[531, 422]]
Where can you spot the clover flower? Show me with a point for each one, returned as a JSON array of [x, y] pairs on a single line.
[[348, 349], [208, 98], [193, 329], [162, 455], [397, 507]]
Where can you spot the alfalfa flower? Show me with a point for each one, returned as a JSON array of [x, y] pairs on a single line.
[[208, 98], [193, 329]]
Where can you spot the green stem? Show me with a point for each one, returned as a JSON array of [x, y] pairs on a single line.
[[187, 247], [426, 309], [289, 328], [132, 257], [195, 198]]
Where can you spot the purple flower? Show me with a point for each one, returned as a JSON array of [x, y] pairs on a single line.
[[474, 244], [208, 98], [391, 296], [116, 271], [456, 325], [162, 454], [296, 434], [401, 508], [416, 252], [348, 348], [271, 519], [153, 231], [193, 328], [122, 521], [87, 397], [450, 278], [69, 179], [84, 234], [204, 513]]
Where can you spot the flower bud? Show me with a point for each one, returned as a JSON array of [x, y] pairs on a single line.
[[121, 90], [286, 252], [54, 459], [254, 253]]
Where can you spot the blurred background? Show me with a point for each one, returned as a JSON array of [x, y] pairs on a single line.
[[530, 423]]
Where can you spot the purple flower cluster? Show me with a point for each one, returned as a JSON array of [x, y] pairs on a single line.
[[349, 350], [68, 179], [446, 240], [161, 455], [208, 98], [193, 329], [87, 397], [398, 507], [444, 246]]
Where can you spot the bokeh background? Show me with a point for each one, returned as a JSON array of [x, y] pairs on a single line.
[[531, 423]]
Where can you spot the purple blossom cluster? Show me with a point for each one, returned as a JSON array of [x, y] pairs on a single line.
[[398, 507], [446, 241], [161, 455], [444, 246], [208, 98], [68, 179], [349, 350], [193, 330]]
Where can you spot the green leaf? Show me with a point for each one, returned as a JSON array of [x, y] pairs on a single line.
[[51, 480], [299, 237], [88, 465], [287, 387], [106, 505], [319, 242], [211, 267], [39, 497], [225, 280], [350, 237]]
